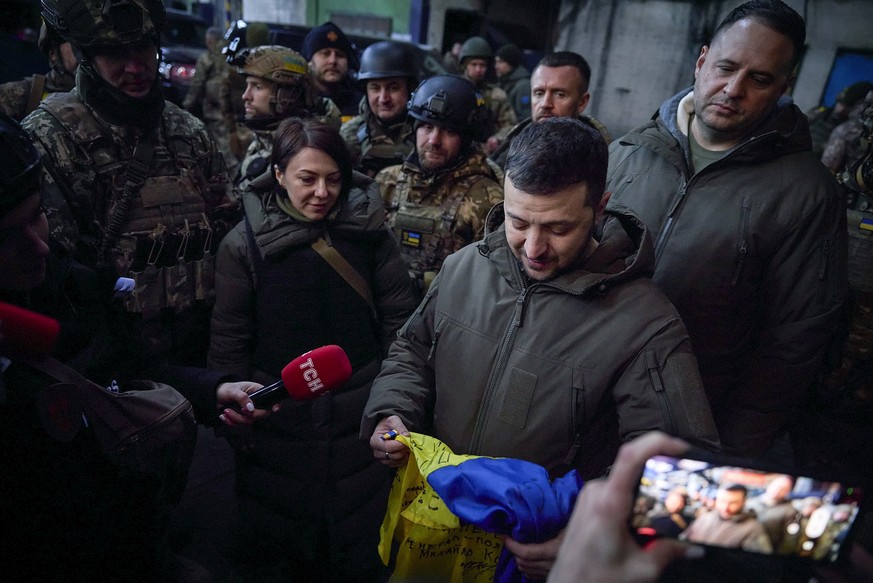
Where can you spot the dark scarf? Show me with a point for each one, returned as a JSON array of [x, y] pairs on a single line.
[[116, 106]]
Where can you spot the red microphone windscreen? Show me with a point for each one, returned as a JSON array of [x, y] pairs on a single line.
[[316, 372], [25, 331]]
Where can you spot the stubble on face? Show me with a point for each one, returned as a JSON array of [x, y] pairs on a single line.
[[738, 80]]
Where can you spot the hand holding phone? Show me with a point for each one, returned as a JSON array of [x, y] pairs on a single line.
[[730, 506], [597, 545]]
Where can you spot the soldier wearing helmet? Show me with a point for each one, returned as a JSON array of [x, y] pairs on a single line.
[[476, 58], [381, 134], [134, 185], [278, 86], [437, 200], [18, 98]]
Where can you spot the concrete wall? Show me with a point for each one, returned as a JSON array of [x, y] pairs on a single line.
[[642, 51], [436, 25], [279, 11]]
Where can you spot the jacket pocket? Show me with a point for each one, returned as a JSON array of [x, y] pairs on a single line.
[[517, 398], [657, 383], [578, 417], [743, 246]]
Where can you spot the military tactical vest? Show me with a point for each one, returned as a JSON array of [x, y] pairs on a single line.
[[167, 243], [425, 231], [379, 150]]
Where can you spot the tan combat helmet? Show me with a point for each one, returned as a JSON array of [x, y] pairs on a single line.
[[286, 68]]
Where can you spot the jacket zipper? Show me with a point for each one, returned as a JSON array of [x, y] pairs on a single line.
[[664, 235], [576, 420], [827, 249], [743, 250], [668, 225], [505, 344]]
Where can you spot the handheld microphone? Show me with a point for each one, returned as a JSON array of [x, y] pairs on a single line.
[[123, 287], [307, 376], [27, 332]]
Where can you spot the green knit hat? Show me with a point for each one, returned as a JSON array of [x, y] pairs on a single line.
[[511, 54]]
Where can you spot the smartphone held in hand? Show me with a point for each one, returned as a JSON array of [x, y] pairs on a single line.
[[732, 506]]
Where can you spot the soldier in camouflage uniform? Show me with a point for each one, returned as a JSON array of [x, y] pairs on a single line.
[[823, 120], [206, 96], [18, 98], [476, 56], [382, 134], [844, 144], [133, 185], [559, 88], [437, 200], [239, 35], [278, 86]]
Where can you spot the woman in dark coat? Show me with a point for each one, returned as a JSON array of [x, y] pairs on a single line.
[[311, 495]]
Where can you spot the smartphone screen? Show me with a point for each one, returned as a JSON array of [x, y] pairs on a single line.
[[743, 508]]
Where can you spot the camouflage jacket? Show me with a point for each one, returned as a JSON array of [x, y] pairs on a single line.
[[844, 144], [15, 95], [502, 115], [434, 215], [208, 87], [821, 124], [375, 146], [86, 161]]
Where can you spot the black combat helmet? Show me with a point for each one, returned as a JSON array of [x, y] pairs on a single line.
[[20, 171], [234, 39], [241, 34], [95, 24], [387, 59], [453, 103]]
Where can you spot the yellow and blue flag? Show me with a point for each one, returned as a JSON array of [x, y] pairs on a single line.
[[447, 513]]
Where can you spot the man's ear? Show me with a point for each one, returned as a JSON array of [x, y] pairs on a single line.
[[601, 207], [789, 81], [583, 103], [700, 60]]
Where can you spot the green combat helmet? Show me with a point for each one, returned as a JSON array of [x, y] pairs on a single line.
[[453, 103], [295, 93], [93, 24], [476, 47]]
